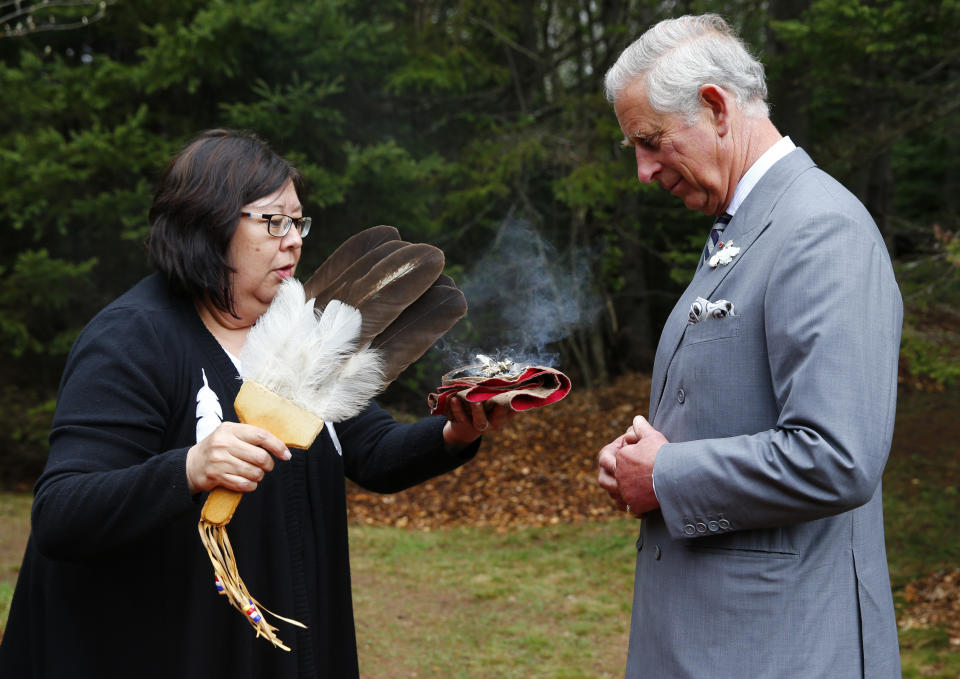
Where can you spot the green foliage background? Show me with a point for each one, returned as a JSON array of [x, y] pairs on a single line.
[[448, 119]]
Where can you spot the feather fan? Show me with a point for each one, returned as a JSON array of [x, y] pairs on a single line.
[[300, 368], [321, 351]]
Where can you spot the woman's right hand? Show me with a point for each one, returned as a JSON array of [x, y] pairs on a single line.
[[235, 456]]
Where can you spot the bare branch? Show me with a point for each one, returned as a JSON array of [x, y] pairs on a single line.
[[24, 13]]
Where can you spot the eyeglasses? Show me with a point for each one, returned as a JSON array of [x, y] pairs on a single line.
[[278, 225]]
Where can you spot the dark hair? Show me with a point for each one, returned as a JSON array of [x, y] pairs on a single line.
[[197, 207]]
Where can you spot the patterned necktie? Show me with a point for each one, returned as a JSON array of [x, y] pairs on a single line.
[[716, 232]]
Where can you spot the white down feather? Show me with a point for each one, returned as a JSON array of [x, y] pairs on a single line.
[[310, 357], [358, 378]]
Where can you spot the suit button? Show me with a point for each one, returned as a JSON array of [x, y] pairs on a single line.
[[657, 552], [724, 524], [640, 542], [689, 529], [681, 396], [713, 526], [701, 527]]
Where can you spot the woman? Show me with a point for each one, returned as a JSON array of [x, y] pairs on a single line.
[[115, 582]]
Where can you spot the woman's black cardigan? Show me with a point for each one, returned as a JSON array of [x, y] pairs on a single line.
[[115, 581]]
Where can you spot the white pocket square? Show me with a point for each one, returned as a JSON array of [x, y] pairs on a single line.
[[704, 308]]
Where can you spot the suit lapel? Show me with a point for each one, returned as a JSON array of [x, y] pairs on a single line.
[[747, 225]]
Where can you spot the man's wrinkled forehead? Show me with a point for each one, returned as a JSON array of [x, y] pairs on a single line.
[[639, 123]]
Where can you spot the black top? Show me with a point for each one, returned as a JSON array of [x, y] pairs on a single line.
[[115, 581]]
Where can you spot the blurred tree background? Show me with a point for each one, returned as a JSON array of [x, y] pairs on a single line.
[[459, 122]]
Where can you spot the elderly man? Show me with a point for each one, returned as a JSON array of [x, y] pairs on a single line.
[[761, 551]]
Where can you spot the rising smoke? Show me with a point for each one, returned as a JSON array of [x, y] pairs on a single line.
[[523, 297]]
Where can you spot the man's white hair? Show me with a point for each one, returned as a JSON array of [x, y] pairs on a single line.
[[676, 56]]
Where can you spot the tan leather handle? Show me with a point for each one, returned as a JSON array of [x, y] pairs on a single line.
[[220, 505], [257, 405]]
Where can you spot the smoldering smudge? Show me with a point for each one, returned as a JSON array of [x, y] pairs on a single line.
[[523, 297]]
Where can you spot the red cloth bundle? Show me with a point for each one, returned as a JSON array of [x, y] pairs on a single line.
[[532, 387]]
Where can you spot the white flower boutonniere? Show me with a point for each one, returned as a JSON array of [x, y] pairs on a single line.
[[724, 255]]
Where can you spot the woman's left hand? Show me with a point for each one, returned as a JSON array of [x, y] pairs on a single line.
[[468, 421]]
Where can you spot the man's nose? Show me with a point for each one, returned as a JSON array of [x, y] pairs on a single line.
[[647, 165]]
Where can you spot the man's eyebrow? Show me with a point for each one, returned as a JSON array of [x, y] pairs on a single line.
[[640, 137]]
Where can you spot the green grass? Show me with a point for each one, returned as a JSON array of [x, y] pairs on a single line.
[[927, 653], [14, 528], [472, 602], [6, 596]]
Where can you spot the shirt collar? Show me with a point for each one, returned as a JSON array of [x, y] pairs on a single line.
[[757, 170]]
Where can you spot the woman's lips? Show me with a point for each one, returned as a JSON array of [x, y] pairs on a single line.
[[285, 272]]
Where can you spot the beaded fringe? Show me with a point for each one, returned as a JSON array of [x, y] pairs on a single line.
[[229, 583]]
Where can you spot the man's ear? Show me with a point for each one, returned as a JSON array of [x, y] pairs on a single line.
[[719, 102]]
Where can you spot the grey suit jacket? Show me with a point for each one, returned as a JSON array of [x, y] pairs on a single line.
[[767, 556]]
